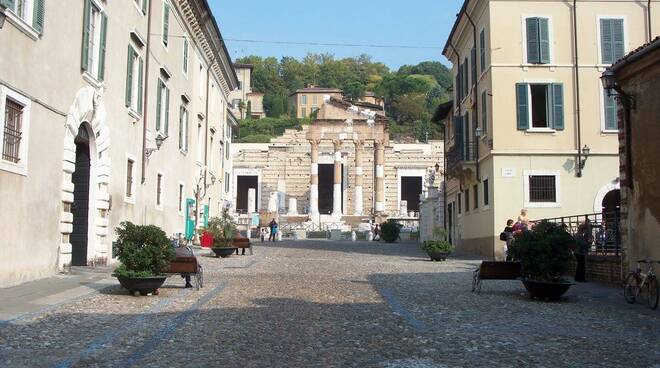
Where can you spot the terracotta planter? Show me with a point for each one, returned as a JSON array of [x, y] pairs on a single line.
[[142, 285], [546, 290]]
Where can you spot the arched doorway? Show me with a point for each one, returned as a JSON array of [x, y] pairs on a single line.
[[81, 189], [611, 207]]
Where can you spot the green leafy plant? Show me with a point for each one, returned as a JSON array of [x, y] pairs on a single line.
[[390, 230], [222, 229], [543, 252], [143, 250], [439, 244]]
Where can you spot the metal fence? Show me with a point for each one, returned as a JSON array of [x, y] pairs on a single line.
[[603, 227]]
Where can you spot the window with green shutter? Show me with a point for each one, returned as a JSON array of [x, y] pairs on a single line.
[[610, 111], [129, 76], [473, 65], [540, 106], [484, 112], [38, 15], [159, 104], [482, 49], [522, 109], [611, 40], [95, 26], [538, 40], [185, 55], [166, 22]]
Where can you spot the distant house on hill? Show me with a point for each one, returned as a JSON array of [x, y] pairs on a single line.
[[245, 102], [307, 100]]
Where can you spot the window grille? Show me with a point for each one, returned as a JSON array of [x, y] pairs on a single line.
[[12, 132], [542, 188], [129, 179]]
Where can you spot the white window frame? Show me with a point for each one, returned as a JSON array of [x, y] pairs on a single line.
[[131, 199], [185, 62], [159, 206], [599, 62], [483, 193], [603, 123], [24, 24], [135, 83], [185, 126], [181, 206], [529, 107], [556, 174], [163, 107], [551, 39], [139, 6], [20, 168], [92, 72], [162, 25]]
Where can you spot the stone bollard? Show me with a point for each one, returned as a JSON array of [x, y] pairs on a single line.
[[370, 236], [353, 236]]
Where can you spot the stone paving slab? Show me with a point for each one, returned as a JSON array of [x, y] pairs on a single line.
[[337, 304]]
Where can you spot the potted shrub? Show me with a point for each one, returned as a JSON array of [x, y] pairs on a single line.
[[145, 253], [223, 230], [389, 231], [544, 253], [439, 248]]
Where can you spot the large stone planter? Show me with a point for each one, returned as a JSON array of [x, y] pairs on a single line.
[[438, 256], [546, 290], [223, 252], [142, 285]]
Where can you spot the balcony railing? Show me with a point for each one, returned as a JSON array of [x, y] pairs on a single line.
[[461, 153], [604, 230]]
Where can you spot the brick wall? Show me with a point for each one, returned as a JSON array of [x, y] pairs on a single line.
[[605, 269]]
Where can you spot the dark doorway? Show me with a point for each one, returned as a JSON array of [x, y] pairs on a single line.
[[326, 188], [411, 188], [450, 222], [80, 206], [243, 185], [612, 207]]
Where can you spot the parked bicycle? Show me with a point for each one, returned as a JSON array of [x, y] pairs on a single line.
[[638, 282]]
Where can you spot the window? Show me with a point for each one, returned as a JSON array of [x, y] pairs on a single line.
[[538, 40], [473, 64], [142, 5], [540, 106], [134, 70], [129, 179], [183, 129], [211, 154], [181, 195], [94, 34], [486, 193], [186, 47], [200, 143], [201, 80], [460, 204], [315, 100], [610, 114], [14, 120], [484, 112], [226, 182], [240, 85], [611, 40], [30, 11], [166, 23], [162, 108], [304, 112], [475, 192], [159, 191], [303, 100], [466, 83], [482, 49], [227, 150], [541, 188], [467, 200]]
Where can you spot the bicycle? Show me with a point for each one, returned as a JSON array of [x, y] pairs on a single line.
[[637, 281]]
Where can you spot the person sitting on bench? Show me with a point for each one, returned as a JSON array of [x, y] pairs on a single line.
[[185, 251]]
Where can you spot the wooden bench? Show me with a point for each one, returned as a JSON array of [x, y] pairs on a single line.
[[492, 270], [188, 265], [243, 243]]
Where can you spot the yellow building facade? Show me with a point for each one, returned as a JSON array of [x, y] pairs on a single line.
[[531, 126]]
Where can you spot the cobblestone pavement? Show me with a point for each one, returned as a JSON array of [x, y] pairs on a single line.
[[336, 304]]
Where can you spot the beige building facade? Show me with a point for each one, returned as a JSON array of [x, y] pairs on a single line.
[[246, 103], [532, 126], [307, 100], [106, 121]]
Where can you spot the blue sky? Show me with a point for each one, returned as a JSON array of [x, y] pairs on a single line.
[[381, 22]]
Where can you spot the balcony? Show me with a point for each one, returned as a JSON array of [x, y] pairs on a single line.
[[461, 157]]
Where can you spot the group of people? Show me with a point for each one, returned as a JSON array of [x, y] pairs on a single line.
[[270, 231], [583, 240]]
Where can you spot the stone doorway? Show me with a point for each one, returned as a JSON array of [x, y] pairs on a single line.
[[243, 184], [411, 189], [326, 188], [81, 197]]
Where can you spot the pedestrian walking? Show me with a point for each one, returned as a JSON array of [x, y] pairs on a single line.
[[273, 230], [377, 233], [507, 237]]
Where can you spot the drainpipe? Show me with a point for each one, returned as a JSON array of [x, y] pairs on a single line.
[[648, 15], [475, 83], [145, 110], [578, 168]]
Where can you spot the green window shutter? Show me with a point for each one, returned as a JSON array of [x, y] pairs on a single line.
[[38, 16], [144, 6], [181, 128], [129, 76], [522, 102], [533, 54], [140, 85], [466, 84], [166, 23], [473, 61], [185, 55], [610, 111], [606, 45], [167, 111], [618, 48], [482, 48], [557, 106], [544, 41], [484, 112], [85, 37], [159, 99], [206, 215], [104, 33], [8, 3]]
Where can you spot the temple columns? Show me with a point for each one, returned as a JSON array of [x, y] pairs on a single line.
[[337, 192], [358, 199], [380, 176], [314, 179]]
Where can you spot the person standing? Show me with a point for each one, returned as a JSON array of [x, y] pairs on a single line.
[[273, 230], [580, 253], [377, 233], [507, 237]]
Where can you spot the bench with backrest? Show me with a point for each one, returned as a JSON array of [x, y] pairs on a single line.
[[187, 265], [243, 243], [494, 270]]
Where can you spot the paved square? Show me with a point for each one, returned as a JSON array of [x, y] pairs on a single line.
[[336, 304]]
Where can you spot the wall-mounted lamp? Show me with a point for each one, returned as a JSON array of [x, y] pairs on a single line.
[[608, 79], [159, 142], [585, 155], [478, 132]]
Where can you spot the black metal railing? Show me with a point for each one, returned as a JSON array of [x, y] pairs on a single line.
[[461, 152], [604, 228]]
